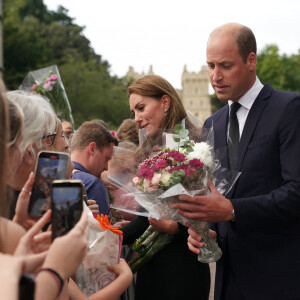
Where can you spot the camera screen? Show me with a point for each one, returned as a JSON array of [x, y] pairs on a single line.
[[49, 167], [66, 208]]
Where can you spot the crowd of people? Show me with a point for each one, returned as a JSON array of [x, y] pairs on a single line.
[[256, 224]]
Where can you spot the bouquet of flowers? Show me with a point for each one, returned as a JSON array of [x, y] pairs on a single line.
[[181, 167], [104, 248], [47, 82]]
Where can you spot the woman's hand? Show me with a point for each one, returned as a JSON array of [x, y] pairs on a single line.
[[122, 269], [34, 244], [93, 206], [21, 214], [121, 224], [164, 225]]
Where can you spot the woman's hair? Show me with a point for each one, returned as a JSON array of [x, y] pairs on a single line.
[[4, 137], [39, 117], [128, 132], [156, 87], [16, 119]]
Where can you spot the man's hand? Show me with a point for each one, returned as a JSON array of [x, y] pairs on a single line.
[[209, 208], [195, 241]]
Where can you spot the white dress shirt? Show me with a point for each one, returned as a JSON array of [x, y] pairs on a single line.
[[246, 102]]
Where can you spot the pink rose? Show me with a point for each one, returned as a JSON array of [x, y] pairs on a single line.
[[47, 84], [136, 180], [156, 179], [53, 77], [34, 86]]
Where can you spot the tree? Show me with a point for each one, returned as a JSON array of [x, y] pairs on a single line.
[[35, 38]]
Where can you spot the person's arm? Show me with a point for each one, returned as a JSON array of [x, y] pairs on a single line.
[[163, 225], [134, 229], [111, 291], [11, 233], [10, 273], [62, 260], [96, 190]]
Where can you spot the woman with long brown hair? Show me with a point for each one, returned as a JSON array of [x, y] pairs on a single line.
[[173, 273]]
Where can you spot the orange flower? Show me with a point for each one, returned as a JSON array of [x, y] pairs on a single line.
[[106, 224]]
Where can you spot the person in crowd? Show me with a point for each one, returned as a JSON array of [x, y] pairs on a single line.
[[40, 123], [258, 222], [101, 122], [128, 132], [122, 160], [92, 148], [68, 130], [174, 272], [42, 130], [24, 252]]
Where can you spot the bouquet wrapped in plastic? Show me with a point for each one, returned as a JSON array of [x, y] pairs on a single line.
[[47, 82], [104, 249], [181, 166]]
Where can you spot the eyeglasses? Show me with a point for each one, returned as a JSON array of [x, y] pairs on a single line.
[[49, 138]]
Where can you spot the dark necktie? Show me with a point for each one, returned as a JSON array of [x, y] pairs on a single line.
[[234, 135]]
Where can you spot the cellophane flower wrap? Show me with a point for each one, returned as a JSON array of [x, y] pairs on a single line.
[[181, 166], [47, 82], [104, 249]]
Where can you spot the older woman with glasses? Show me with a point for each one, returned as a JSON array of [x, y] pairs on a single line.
[[39, 121]]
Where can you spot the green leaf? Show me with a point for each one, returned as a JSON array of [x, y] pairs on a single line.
[[177, 128], [181, 173], [175, 173], [176, 138], [183, 133]]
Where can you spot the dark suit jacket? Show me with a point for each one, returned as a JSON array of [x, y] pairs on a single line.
[[263, 244]]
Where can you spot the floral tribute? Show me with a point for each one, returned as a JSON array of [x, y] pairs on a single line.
[[169, 167], [106, 224], [47, 82], [161, 179], [104, 249]]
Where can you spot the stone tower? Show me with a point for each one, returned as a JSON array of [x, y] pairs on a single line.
[[194, 95]]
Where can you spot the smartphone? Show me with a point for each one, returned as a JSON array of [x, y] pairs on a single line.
[[67, 203], [50, 166]]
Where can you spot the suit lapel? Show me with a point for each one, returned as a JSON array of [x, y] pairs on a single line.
[[251, 122], [220, 124]]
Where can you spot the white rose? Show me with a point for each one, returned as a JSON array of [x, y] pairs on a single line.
[[202, 151], [165, 177]]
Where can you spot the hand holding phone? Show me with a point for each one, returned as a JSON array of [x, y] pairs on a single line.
[[67, 205], [50, 166]]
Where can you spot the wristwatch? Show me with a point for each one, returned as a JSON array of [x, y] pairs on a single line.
[[233, 216]]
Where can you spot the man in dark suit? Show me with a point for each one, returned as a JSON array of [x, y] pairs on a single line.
[[258, 223]]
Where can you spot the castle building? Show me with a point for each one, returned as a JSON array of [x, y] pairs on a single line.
[[194, 93]]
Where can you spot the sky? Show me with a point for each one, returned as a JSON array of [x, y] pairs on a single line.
[[169, 34]]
